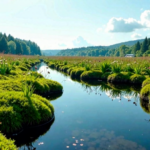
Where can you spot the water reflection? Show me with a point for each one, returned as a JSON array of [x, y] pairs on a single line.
[[27, 138], [114, 92], [99, 140]]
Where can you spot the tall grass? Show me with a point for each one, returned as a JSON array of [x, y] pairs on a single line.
[[116, 68]]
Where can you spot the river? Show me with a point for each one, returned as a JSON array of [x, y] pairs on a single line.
[[89, 118]]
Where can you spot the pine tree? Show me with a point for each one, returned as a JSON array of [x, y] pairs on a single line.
[[144, 46], [19, 50], [136, 47], [3, 45]]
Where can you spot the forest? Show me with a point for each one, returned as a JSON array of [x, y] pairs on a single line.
[[11, 45], [140, 48]]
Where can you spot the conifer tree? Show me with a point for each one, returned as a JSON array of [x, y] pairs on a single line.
[[3, 45]]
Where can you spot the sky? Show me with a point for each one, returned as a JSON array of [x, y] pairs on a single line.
[[61, 24]]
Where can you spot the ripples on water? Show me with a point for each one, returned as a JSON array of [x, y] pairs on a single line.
[[94, 117]]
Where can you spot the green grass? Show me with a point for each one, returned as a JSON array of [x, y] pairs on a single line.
[[145, 82], [119, 77], [6, 144], [75, 73], [17, 111], [88, 75], [137, 79]]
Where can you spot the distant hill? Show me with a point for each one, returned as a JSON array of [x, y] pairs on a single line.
[[50, 52], [128, 43], [96, 50]]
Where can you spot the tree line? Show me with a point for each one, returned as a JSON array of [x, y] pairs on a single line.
[[11, 45], [139, 49]]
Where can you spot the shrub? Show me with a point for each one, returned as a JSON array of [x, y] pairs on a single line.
[[137, 79], [6, 144]]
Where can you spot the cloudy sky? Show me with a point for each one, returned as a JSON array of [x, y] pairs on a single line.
[[60, 24]]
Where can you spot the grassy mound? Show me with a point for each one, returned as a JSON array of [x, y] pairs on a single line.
[[145, 92], [6, 144], [41, 85], [88, 75], [16, 111], [51, 65], [145, 82], [119, 77], [75, 73], [137, 79], [145, 106], [65, 68]]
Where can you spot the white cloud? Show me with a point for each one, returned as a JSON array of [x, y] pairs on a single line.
[[99, 29], [130, 24], [136, 36], [62, 45], [80, 42], [74, 43], [123, 25], [145, 18]]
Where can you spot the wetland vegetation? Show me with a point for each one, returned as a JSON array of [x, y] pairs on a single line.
[[26, 87]]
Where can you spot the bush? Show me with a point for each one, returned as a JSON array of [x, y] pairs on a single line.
[[6, 144], [88, 75], [119, 77], [137, 79], [17, 111]]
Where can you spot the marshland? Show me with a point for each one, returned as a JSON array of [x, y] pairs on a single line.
[[74, 75], [78, 102]]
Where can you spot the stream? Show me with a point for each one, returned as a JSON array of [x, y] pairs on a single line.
[[93, 118]]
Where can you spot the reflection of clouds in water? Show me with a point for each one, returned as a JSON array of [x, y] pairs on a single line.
[[109, 93], [127, 95], [99, 140]]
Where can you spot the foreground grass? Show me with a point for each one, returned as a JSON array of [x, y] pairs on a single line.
[[6, 144]]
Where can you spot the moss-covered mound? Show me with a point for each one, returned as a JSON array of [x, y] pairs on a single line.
[[145, 82], [137, 79], [16, 111], [145, 106], [76, 73], [65, 68], [6, 144], [145, 92], [41, 85], [88, 75], [119, 77], [105, 75], [51, 65]]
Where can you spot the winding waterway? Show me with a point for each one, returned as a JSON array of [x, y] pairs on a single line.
[[93, 118]]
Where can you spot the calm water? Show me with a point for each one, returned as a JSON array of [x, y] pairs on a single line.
[[86, 118]]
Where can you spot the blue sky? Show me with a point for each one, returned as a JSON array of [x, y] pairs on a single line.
[[60, 24]]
